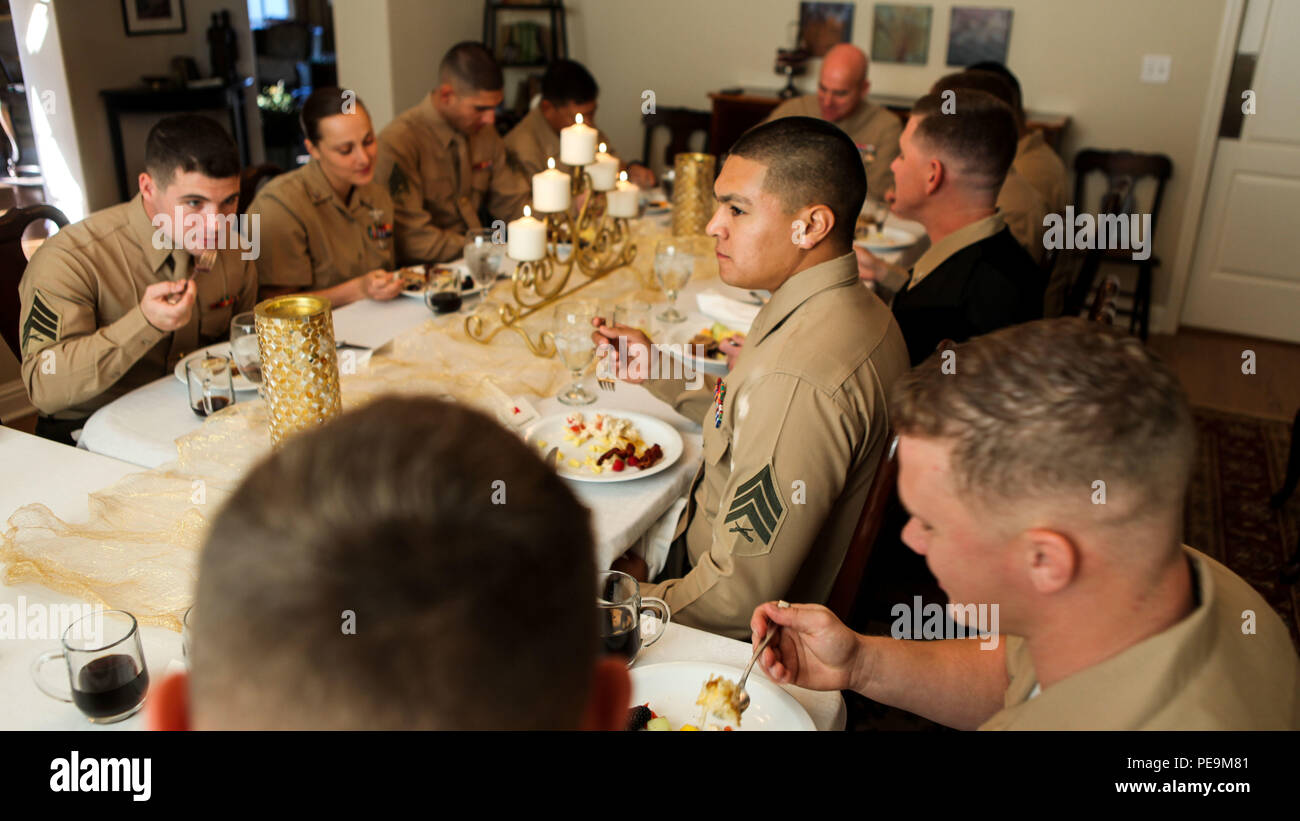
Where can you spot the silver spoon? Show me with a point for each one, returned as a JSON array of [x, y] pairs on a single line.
[[741, 699]]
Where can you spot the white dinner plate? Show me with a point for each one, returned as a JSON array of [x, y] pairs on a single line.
[[551, 430], [889, 239], [240, 382], [671, 689], [713, 367]]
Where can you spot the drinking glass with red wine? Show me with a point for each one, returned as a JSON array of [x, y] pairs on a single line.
[[105, 666], [211, 384]]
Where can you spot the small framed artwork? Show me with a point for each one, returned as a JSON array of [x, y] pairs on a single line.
[[978, 34], [153, 17], [901, 34], [822, 25]]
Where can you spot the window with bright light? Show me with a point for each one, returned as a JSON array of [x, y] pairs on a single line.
[[261, 12]]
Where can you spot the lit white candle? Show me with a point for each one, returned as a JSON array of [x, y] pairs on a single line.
[[526, 238], [551, 189], [578, 143], [622, 201], [604, 172]]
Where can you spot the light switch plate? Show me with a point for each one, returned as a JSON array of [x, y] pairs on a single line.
[[1155, 68]]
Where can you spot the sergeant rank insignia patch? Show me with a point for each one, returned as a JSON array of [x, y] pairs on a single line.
[[756, 512], [43, 324]]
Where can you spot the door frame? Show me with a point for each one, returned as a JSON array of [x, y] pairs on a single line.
[[1199, 180]]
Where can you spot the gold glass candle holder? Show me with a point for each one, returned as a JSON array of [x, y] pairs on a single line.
[[693, 203], [300, 371]]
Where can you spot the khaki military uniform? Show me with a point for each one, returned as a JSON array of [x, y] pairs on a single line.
[[531, 143], [1203, 673], [439, 178], [868, 124], [311, 239], [81, 302], [1023, 210], [1042, 168], [790, 455]]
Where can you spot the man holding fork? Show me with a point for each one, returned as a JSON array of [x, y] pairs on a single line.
[[116, 300], [793, 435]]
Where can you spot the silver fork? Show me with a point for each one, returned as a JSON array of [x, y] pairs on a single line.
[[606, 384], [741, 699], [204, 264]]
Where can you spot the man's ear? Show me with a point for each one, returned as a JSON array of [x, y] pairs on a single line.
[[147, 188], [169, 704], [443, 93], [1051, 559], [611, 692], [937, 175], [818, 222]]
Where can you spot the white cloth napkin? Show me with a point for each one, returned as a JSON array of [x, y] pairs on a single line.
[[730, 312], [657, 540]]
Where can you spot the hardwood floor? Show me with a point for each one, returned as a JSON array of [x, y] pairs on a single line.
[[1209, 364]]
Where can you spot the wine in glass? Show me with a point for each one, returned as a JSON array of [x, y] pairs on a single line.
[[673, 267], [573, 342]]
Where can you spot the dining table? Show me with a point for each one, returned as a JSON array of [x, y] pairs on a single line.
[[147, 438]]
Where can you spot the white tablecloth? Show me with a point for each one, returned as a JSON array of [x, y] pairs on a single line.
[[60, 477]]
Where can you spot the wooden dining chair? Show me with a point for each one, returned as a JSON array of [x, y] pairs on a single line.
[[682, 124], [251, 179], [844, 593], [1116, 199], [13, 261], [1118, 167], [1103, 308]]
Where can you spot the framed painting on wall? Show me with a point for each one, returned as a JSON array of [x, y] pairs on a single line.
[[901, 34], [978, 34], [153, 17], [822, 25]]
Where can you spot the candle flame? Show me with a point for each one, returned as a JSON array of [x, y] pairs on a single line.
[[622, 175], [602, 148], [577, 118], [550, 162], [528, 212]]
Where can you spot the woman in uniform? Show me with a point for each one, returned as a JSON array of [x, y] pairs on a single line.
[[327, 228]]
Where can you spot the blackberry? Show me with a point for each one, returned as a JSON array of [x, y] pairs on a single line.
[[638, 717]]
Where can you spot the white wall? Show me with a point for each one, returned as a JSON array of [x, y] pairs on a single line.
[[389, 50], [364, 53]]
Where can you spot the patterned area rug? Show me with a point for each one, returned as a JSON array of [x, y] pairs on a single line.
[[1240, 463]]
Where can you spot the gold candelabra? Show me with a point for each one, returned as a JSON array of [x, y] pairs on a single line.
[[598, 245]]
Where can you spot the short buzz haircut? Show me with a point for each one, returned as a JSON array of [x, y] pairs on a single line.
[[1002, 71], [972, 129], [1042, 410], [979, 80], [473, 609], [809, 162], [470, 68], [568, 81], [189, 142]]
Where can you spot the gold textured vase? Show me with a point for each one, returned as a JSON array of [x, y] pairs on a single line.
[[300, 368], [693, 203]]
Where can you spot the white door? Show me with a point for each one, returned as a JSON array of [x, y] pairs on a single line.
[[1245, 274]]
